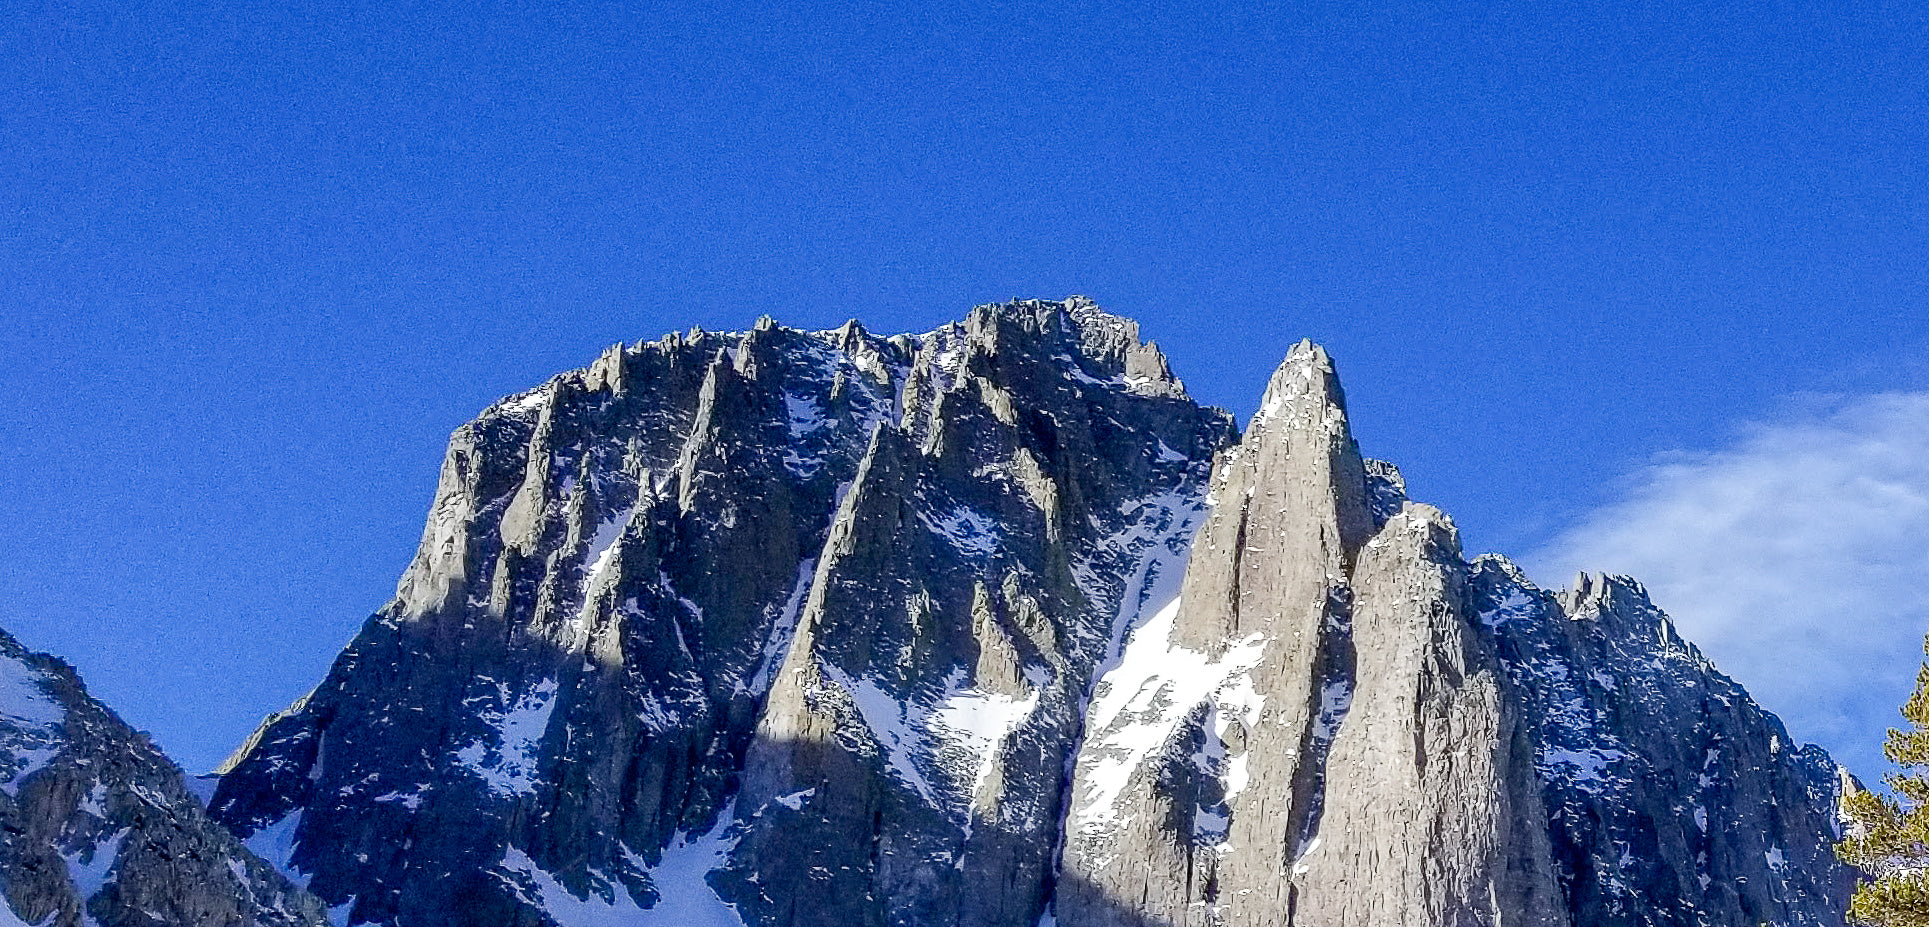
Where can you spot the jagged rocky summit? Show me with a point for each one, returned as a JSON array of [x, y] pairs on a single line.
[[996, 626], [97, 828]]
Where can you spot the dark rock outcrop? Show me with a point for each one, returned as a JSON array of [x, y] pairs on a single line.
[[98, 828]]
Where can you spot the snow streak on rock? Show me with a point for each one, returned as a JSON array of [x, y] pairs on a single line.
[[945, 750], [1140, 704], [29, 719], [508, 764]]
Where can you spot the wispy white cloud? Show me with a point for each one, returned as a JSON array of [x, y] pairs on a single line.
[[1797, 558]]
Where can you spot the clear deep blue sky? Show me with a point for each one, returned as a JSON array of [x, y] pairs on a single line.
[[257, 261]]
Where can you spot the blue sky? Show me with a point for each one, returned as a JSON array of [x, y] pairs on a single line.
[[1578, 264]]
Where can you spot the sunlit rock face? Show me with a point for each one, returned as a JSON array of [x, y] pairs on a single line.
[[994, 625], [98, 828], [1342, 721]]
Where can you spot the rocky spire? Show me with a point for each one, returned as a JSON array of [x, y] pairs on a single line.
[[1431, 812], [1332, 725]]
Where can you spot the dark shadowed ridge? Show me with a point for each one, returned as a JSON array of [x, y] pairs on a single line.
[[98, 828]]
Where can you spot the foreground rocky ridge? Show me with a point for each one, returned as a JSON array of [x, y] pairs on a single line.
[[794, 628], [98, 828]]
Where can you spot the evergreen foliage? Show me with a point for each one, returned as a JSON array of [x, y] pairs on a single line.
[[1888, 835]]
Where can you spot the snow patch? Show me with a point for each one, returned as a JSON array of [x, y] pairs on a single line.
[[1076, 371], [29, 723], [509, 766], [602, 548], [1518, 604], [684, 896], [804, 417], [10, 919], [897, 734], [1212, 823], [524, 403], [95, 802], [959, 738], [975, 725], [275, 844], [1156, 543], [947, 345], [23, 698], [1705, 780], [970, 532], [409, 800], [1335, 699], [1585, 769], [782, 631], [91, 870], [537, 888], [24, 759], [1140, 704], [1300, 865]]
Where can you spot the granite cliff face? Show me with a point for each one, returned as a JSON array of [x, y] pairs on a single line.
[[996, 626], [98, 828]]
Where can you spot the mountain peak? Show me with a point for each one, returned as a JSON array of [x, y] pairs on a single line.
[[993, 624]]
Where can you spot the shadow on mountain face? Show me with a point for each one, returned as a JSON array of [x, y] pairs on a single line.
[[479, 752], [412, 822], [855, 847], [459, 792]]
